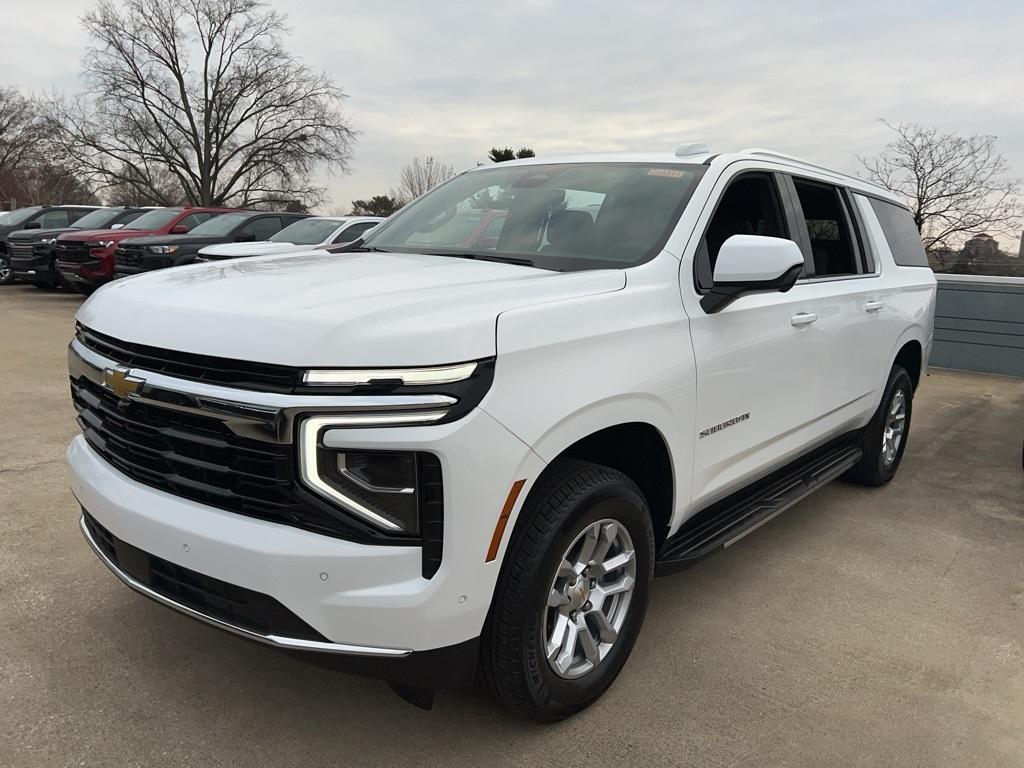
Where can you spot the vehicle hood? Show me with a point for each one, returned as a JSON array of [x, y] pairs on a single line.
[[33, 235], [263, 248], [85, 235], [175, 239], [317, 309]]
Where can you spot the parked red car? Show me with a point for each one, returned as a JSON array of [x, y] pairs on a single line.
[[85, 260]]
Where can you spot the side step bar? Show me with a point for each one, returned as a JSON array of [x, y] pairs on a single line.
[[729, 520]]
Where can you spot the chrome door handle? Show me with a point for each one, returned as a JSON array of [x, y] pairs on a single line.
[[873, 305], [803, 318]]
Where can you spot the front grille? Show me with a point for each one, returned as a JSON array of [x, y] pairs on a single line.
[[197, 457], [239, 374], [18, 250], [234, 605], [129, 255], [73, 253]]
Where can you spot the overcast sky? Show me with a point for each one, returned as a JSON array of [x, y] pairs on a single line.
[[452, 78]]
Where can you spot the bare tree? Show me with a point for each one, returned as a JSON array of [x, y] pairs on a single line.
[[953, 185], [207, 91], [156, 186], [20, 130], [419, 177]]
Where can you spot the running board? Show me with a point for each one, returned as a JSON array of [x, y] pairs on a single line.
[[729, 520]]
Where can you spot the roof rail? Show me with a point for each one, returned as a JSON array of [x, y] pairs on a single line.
[[770, 153]]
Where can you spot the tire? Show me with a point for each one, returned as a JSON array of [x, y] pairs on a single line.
[[881, 461], [43, 285], [83, 288], [574, 503], [6, 273]]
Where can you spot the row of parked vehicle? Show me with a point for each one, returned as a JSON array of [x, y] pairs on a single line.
[[83, 247]]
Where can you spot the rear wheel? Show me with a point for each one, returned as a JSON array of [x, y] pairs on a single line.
[[572, 595], [884, 439]]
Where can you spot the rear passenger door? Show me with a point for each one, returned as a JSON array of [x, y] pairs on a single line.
[[843, 288]]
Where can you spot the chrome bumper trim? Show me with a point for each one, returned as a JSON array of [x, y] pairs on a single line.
[[287, 643]]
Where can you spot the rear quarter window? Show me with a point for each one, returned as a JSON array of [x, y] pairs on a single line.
[[901, 233]]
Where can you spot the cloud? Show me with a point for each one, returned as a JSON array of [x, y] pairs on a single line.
[[454, 78]]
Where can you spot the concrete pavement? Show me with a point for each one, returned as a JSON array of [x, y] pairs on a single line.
[[861, 628]]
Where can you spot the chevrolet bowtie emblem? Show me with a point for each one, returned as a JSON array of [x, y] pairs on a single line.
[[121, 382]]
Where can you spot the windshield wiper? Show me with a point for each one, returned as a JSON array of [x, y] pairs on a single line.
[[356, 246], [522, 262]]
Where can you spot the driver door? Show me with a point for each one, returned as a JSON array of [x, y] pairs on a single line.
[[754, 356]]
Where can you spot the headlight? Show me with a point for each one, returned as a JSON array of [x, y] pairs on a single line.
[[105, 243], [445, 374], [51, 241], [386, 489], [162, 248]]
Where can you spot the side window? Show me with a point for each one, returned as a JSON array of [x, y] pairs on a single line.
[[74, 214], [354, 232], [829, 229], [53, 219], [750, 206], [130, 216], [901, 233], [193, 220], [263, 227]]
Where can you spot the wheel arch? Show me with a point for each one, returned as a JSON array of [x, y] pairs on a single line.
[[637, 448], [909, 355]]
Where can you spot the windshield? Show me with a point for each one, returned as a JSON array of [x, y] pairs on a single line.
[[220, 225], [101, 218], [560, 216], [156, 219], [307, 231], [20, 215]]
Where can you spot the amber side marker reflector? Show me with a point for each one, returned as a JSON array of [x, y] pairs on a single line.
[[499, 529]]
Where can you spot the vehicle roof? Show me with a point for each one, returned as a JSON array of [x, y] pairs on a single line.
[[700, 155]]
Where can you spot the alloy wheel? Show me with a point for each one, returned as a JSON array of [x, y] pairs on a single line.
[[895, 424], [589, 599]]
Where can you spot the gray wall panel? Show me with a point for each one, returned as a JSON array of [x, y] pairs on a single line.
[[979, 325]]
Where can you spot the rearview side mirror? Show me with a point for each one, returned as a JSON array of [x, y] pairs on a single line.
[[245, 237], [179, 229], [33, 225], [752, 264]]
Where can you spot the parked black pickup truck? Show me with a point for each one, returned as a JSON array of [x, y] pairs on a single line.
[[142, 254], [35, 217], [31, 251]]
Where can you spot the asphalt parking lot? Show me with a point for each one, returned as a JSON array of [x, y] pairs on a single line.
[[861, 628]]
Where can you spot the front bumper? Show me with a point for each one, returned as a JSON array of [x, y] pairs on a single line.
[[368, 601], [95, 270], [35, 267]]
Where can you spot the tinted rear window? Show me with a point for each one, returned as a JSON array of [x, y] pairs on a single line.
[[901, 233]]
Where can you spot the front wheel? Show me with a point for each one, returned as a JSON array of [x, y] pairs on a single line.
[[6, 273], [572, 594], [884, 439]]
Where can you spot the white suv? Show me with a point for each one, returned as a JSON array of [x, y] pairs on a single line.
[[430, 463]]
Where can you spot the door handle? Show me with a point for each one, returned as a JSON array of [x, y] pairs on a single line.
[[873, 305], [803, 318]]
